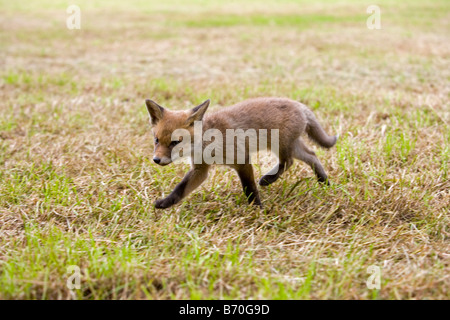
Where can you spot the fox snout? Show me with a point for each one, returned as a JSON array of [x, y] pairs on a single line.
[[162, 161], [161, 158], [162, 153]]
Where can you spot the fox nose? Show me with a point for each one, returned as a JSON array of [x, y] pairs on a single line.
[[157, 160]]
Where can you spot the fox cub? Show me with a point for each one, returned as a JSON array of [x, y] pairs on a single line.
[[290, 119]]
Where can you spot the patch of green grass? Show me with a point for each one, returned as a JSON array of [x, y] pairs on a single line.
[[26, 81], [260, 20]]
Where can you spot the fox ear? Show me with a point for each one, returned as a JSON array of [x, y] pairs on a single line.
[[154, 110], [198, 112]]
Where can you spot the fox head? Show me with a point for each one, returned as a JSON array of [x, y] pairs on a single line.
[[164, 122]]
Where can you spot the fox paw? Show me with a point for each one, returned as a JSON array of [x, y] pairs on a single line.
[[267, 179], [164, 203], [324, 180]]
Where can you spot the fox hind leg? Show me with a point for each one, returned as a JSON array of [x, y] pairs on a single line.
[[273, 175], [245, 172], [303, 153]]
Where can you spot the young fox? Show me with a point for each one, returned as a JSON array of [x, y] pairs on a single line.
[[290, 118]]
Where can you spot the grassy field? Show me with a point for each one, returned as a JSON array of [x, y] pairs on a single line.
[[77, 183]]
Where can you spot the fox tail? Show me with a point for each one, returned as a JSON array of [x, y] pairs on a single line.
[[317, 134]]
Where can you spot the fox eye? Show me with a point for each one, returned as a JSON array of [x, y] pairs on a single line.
[[174, 143], [156, 140]]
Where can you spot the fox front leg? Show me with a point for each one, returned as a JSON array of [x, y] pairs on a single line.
[[191, 180]]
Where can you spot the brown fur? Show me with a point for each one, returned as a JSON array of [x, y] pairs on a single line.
[[291, 118]]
